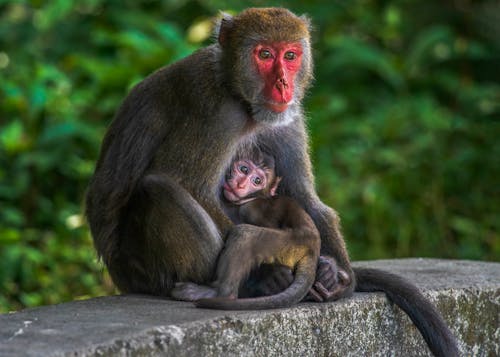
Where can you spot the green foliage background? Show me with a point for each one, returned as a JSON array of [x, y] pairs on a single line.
[[404, 120]]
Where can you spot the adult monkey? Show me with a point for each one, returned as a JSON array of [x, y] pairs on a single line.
[[152, 203]]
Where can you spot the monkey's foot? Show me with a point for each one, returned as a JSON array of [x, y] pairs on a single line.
[[192, 292], [332, 283]]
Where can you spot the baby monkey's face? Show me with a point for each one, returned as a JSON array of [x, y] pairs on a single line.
[[244, 181]]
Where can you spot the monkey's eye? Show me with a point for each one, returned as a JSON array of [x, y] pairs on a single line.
[[257, 181], [243, 169], [265, 54], [290, 55]]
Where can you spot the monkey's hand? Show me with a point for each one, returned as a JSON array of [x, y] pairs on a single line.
[[331, 281], [192, 292], [268, 279]]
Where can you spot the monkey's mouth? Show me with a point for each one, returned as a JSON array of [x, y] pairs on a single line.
[[277, 107], [231, 196], [229, 193]]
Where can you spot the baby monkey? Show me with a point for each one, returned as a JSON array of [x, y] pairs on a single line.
[[290, 238]]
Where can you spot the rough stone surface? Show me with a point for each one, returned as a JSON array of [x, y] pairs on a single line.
[[467, 293]]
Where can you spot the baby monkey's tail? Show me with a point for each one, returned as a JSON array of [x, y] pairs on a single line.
[[304, 278]]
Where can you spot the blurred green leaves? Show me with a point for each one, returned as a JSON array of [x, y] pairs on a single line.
[[405, 116], [64, 68], [404, 119]]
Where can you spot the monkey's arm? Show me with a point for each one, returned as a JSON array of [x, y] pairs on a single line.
[[120, 167], [335, 278]]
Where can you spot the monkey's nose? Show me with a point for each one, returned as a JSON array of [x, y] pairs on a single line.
[[281, 85], [282, 81]]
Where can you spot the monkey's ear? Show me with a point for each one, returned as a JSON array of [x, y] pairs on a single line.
[[224, 26], [274, 186]]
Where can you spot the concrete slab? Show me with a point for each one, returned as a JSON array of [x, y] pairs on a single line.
[[466, 292]]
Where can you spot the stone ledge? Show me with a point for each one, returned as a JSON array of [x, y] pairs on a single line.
[[467, 293]]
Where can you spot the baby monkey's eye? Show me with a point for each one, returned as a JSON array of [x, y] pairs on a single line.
[[243, 169], [257, 181]]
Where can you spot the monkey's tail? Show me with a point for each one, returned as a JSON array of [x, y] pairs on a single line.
[[421, 311], [304, 278]]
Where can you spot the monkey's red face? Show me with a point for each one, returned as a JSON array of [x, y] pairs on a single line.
[[278, 64], [244, 181]]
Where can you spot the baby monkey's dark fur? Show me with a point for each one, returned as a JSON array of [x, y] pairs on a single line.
[[291, 239]]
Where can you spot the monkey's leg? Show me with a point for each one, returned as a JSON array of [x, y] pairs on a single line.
[[168, 237], [335, 277], [246, 248]]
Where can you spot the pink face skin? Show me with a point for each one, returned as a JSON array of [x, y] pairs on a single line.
[[278, 63], [245, 179]]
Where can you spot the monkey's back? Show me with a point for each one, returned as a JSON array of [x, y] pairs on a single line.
[[275, 212], [180, 121]]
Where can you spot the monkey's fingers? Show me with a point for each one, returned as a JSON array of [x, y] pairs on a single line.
[[313, 295], [328, 278], [325, 269], [343, 278], [327, 272], [326, 294]]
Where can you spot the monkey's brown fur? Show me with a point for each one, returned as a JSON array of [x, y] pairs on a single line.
[[152, 204]]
